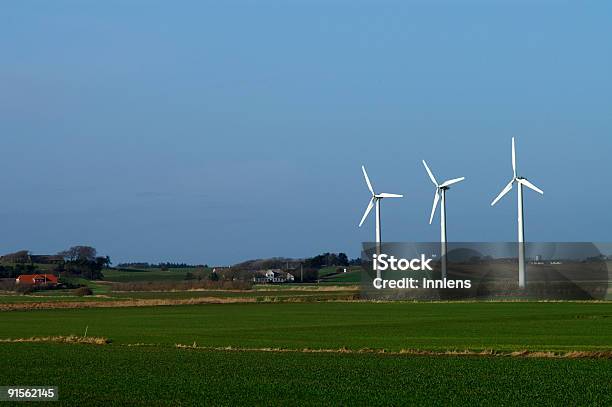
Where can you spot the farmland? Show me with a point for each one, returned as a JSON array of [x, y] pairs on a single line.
[[269, 361], [333, 325], [108, 292], [112, 374], [300, 344]]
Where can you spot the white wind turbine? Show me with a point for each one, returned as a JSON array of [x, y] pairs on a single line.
[[375, 201], [441, 193], [521, 221]]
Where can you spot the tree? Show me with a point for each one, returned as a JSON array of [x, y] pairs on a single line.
[[79, 253], [103, 261], [327, 259], [355, 262], [85, 268], [311, 275], [82, 261]]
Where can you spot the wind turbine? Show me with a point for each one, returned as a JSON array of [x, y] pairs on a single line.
[[375, 201], [521, 219], [441, 193]]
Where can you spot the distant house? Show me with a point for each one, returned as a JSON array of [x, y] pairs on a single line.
[[273, 276], [37, 279]]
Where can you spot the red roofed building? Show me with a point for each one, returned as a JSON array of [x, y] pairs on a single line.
[[37, 279]]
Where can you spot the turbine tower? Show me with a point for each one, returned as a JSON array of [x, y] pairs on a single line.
[[441, 193], [520, 181], [375, 201]]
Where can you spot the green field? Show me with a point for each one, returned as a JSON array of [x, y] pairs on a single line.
[[390, 326], [143, 365], [331, 275], [266, 293], [114, 375], [353, 276]]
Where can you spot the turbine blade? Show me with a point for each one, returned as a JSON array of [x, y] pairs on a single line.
[[435, 205], [513, 158], [530, 185], [503, 192], [365, 175], [433, 179], [386, 195], [367, 211], [451, 182]]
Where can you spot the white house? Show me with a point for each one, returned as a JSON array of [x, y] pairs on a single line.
[[273, 276]]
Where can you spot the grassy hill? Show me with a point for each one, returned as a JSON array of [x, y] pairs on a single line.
[[331, 275]]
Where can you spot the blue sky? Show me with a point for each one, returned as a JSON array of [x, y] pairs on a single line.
[[214, 132]]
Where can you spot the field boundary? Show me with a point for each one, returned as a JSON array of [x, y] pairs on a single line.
[[91, 340], [111, 303], [417, 352], [25, 306]]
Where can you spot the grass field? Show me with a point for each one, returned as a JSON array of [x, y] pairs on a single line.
[[390, 326], [105, 292], [353, 276], [331, 275], [143, 365], [119, 375]]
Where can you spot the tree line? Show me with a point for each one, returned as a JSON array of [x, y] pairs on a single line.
[[79, 261]]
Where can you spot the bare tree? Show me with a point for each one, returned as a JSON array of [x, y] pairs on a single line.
[[79, 253]]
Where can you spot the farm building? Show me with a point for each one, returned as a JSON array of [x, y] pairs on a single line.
[[37, 279], [273, 276]]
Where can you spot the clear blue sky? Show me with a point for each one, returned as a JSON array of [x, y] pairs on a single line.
[[215, 132]]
